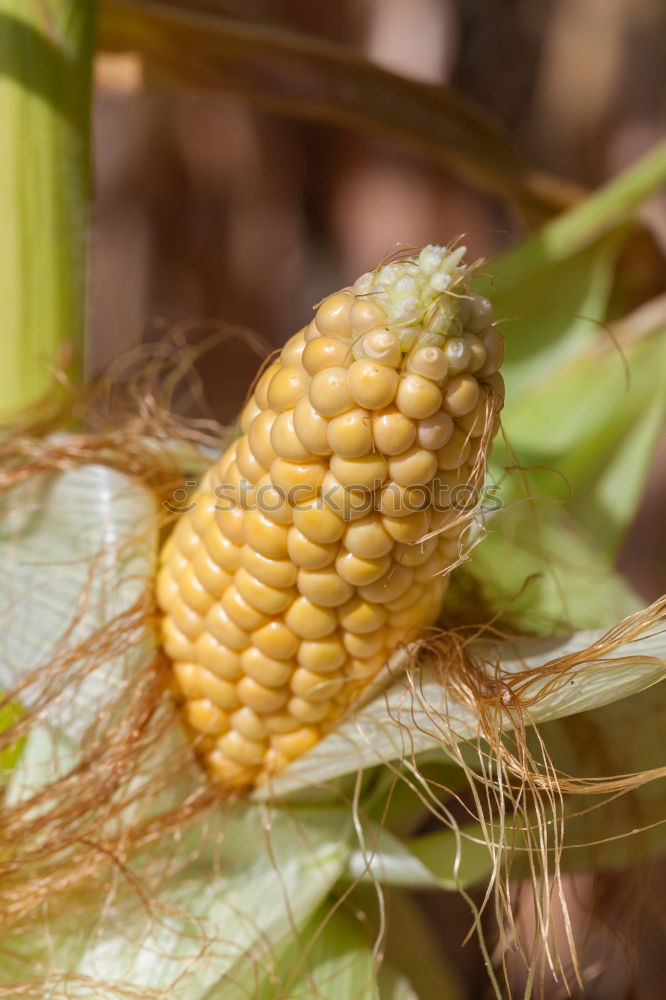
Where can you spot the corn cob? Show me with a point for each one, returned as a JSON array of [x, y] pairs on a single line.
[[321, 539]]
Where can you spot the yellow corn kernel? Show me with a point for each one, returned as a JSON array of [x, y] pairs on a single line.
[[395, 581], [322, 655], [280, 573], [263, 535], [434, 432], [461, 394], [368, 538], [332, 317], [248, 723], [372, 386], [367, 472], [319, 523], [324, 352], [393, 431], [418, 397], [366, 315], [285, 441], [206, 717], [240, 748], [325, 587], [265, 669], [350, 434], [315, 687], [287, 387], [259, 437], [414, 466], [291, 353], [260, 697], [311, 428], [309, 620], [359, 571], [297, 743], [306, 554], [269, 600], [330, 392], [305, 560], [275, 639], [382, 346]]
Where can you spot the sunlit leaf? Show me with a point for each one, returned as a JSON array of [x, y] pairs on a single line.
[[586, 432]]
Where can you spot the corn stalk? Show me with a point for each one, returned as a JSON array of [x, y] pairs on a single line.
[[46, 51]]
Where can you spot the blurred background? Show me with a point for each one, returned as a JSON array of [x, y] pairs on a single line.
[[229, 203]]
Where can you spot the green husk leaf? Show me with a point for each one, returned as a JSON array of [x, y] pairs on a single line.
[[46, 52], [414, 949]]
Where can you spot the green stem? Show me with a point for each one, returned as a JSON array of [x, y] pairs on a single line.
[[46, 51]]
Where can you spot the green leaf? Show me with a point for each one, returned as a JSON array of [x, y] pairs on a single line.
[[547, 316], [330, 958], [10, 712], [537, 571], [46, 53], [413, 948], [586, 432], [443, 860], [588, 221]]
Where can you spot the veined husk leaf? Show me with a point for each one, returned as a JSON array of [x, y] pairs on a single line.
[[612, 812], [411, 717], [72, 561], [77, 551], [254, 883]]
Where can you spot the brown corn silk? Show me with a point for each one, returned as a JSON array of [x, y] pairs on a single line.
[[322, 538]]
